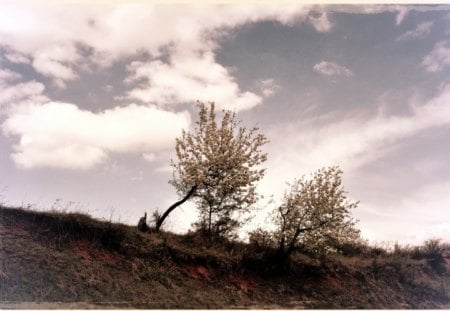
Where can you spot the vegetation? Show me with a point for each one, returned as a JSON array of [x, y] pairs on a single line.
[[222, 161], [218, 163], [315, 214], [60, 260]]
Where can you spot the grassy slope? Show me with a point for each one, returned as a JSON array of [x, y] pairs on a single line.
[[82, 262]]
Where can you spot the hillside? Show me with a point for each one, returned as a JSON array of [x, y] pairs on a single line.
[[60, 260]]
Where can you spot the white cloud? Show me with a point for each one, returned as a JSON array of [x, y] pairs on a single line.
[[332, 69], [63, 39], [187, 79], [55, 62], [438, 58], [59, 41], [268, 87], [402, 11], [17, 58], [298, 149], [108, 88], [401, 15], [150, 157], [411, 219], [61, 135], [7, 75], [33, 29], [420, 31], [26, 91], [52, 34], [320, 22]]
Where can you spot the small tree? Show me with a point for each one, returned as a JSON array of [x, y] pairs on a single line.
[[315, 214], [221, 160], [261, 238]]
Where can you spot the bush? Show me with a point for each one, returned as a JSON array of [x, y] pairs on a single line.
[[351, 249], [434, 251], [261, 238], [404, 250], [433, 248]]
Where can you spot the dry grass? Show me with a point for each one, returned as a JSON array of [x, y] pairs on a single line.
[[52, 258]]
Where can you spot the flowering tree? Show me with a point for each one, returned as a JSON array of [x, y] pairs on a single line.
[[221, 160], [315, 213]]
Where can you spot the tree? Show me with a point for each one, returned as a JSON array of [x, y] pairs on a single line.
[[160, 219], [315, 214], [222, 161]]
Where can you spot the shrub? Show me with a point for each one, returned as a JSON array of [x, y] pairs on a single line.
[[261, 238], [434, 252]]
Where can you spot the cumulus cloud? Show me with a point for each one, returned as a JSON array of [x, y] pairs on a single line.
[[26, 91], [420, 31], [332, 69], [55, 62], [17, 58], [7, 75], [438, 58], [61, 135], [187, 79], [56, 36], [62, 40]]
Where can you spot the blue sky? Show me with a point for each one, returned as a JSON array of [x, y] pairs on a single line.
[[93, 96]]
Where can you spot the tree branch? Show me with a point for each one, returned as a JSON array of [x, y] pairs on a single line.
[[173, 206]]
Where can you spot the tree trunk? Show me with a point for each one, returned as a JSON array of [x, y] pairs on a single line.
[[173, 206], [290, 248], [209, 223]]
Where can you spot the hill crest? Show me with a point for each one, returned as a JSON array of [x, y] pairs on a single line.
[[63, 260]]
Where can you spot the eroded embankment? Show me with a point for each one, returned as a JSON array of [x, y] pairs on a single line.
[[51, 260]]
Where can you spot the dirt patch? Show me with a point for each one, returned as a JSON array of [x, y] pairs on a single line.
[[198, 272], [333, 282], [242, 283], [91, 252]]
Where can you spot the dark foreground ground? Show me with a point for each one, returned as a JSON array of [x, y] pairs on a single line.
[[60, 261]]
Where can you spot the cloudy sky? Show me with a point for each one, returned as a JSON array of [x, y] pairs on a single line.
[[93, 96]]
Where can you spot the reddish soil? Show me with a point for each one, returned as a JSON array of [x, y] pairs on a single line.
[[198, 272], [242, 283], [88, 251]]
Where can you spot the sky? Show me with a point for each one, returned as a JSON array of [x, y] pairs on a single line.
[[93, 96]]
